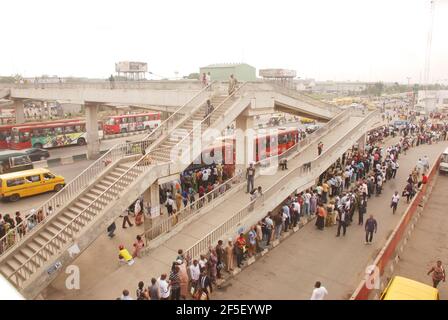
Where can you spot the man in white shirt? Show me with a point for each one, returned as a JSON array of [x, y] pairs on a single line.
[[307, 198], [319, 292], [394, 204], [125, 295], [195, 272], [164, 288]]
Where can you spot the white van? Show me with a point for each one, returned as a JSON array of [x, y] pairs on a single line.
[[443, 167]]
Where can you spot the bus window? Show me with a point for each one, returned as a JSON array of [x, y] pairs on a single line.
[[58, 130], [146, 118], [69, 129], [15, 182], [124, 120], [78, 128], [139, 119], [24, 136], [35, 178]]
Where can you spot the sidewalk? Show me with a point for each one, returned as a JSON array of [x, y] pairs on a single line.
[[105, 278], [291, 269]]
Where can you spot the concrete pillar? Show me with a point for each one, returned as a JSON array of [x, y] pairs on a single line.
[[19, 108], [93, 142], [244, 126], [362, 143], [164, 115], [151, 199]]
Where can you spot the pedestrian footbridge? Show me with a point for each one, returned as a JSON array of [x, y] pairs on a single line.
[[87, 205]]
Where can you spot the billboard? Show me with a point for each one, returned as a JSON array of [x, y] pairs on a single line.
[[131, 66], [277, 73]]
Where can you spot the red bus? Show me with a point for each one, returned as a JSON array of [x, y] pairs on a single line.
[[131, 122], [51, 135], [223, 151], [6, 130], [271, 145]]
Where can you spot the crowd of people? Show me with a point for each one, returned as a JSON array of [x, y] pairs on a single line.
[[344, 189]]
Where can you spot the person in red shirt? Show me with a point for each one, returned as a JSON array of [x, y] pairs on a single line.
[[240, 249], [424, 178]]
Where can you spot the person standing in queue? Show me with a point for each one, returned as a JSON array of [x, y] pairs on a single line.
[[250, 176]]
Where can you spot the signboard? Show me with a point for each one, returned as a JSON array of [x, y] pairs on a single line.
[[131, 66], [277, 73]]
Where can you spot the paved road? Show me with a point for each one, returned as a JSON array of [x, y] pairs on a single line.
[[69, 172], [291, 269], [429, 240]]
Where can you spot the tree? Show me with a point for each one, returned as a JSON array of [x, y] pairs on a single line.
[[194, 76]]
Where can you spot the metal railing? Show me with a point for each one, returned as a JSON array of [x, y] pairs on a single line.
[[107, 84], [296, 94], [212, 237], [81, 182], [185, 142], [170, 222], [68, 232]]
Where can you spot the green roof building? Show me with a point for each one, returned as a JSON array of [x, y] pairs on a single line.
[[222, 71]]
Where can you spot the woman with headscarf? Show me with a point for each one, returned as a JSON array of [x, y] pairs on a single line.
[[229, 256], [183, 275], [321, 214], [212, 265]]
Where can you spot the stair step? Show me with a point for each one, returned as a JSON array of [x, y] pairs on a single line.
[[7, 270]]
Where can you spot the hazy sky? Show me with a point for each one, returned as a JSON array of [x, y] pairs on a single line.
[[364, 40]]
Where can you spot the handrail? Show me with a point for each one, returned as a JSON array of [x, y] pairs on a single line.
[[207, 117], [172, 116], [169, 222], [305, 97], [68, 228], [82, 180], [203, 244]]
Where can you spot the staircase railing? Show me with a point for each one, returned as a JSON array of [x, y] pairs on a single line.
[[306, 98], [167, 223], [186, 140], [80, 183], [211, 238]]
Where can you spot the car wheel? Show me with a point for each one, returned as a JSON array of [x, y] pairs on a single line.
[[38, 145], [58, 187], [14, 198], [124, 130], [81, 142]]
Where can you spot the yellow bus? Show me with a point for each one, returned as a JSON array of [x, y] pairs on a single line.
[[16, 185], [401, 288]]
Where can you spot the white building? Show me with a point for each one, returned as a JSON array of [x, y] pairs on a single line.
[[432, 99], [345, 87]]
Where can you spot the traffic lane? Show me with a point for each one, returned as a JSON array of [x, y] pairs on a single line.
[[310, 255], [104, 145], [69, 172], [428, 241]]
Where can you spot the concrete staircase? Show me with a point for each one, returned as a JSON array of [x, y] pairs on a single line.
[[39, 257]]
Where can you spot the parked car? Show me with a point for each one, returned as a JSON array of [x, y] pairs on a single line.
[[37, 154]]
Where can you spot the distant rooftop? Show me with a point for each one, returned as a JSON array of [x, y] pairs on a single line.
[[224, 65]]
